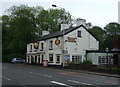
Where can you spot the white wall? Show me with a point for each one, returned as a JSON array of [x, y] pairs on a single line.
[[119, 12], [93, 57], [86, 42]]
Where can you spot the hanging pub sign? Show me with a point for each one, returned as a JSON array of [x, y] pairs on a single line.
[[36, 45], [57, 42], [71, 39]]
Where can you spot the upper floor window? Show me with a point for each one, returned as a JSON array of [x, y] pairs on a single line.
[[51, 45], [30, 48], [78, 33], [42, 46]]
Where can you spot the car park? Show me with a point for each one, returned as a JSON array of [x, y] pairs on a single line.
[[17, 60]]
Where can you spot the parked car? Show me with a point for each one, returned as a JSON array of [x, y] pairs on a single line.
[[17, 60]]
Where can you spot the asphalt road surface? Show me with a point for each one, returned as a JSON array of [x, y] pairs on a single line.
[[23, 75]]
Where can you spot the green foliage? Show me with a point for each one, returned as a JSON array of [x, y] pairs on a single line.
[[9, 57], [109, 36], [112, 36], [99, 33], [87, 62], [24, 23]]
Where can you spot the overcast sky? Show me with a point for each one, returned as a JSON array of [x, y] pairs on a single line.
[[98, 12]]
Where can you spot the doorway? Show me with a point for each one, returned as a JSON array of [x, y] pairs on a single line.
[[115, 59]]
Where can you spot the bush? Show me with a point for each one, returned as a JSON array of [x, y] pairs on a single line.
[[87, 62], [9, 57]]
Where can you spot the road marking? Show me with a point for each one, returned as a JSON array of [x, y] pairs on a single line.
[[64, 73], [30, 72], [47, 76], [85, 83], [18, 70], [41, 74], [5, 77], [73, 81], [4, 67], [55, 82]]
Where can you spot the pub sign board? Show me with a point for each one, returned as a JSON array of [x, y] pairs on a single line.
[[36, 45]]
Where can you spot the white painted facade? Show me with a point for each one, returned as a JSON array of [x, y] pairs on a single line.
[[103, 58], [119, 12], [73, 49]]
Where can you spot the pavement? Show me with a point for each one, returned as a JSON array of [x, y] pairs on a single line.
[[95, 73], [89, 72]]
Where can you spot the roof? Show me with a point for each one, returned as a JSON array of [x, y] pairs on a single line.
[[61, 33]]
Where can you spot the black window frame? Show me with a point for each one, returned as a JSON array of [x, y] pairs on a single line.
[[51, 45], [42, 47], [50, 57], [79, 33]]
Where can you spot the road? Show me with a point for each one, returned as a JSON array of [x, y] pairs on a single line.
[[23, 75]]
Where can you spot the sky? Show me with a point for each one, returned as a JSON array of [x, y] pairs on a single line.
[[98, 12]]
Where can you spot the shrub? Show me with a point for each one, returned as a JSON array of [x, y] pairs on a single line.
[[9, 57], [87, 62]]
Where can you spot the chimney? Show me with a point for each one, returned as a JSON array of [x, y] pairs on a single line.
[[64, 26], [44, 32], [80, 21]]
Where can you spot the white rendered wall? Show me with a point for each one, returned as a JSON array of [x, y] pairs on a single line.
[[119, 12]]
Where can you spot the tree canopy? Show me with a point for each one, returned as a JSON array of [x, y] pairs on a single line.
[[24, 23], [112, 35], [100, 34]]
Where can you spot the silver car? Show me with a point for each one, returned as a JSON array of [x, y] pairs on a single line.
[[17, 60]]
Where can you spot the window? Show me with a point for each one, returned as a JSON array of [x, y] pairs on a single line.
[[30, 48], [102, 60], [78, 33], [51, 45], [42, 58], [77, 59], [38, 58], [57, 58], [35, 59], [42, 46], [50, 58]]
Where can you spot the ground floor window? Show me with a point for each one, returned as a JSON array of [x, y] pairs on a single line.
[[35, 59], [57, 58], [102, 60], [42, 58], [38, 58], [28, 58], [50, 58], [76, 58], [32, 59]]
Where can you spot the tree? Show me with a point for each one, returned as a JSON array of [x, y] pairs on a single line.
[[52, 18], [112, 35], [24, 23], [116, 43], [19, 27], [99, 33]]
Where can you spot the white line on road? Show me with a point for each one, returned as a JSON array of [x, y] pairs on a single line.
[[30, 72], [4, 67], [5, 77], [55, 82], [73, 81], [47, 75], [41, 74], [85, 83]]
